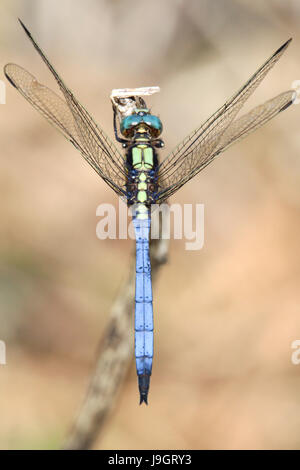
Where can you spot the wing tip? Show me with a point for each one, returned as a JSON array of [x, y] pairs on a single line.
[[284, 46], [287, 105], [8, 76], [22, 24], [25, 28]]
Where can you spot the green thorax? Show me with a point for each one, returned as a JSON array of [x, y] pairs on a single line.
[[142, 157]]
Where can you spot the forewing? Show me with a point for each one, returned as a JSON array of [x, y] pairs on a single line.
[[72, 119], [196, 150]]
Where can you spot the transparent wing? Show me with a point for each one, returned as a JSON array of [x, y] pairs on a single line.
[[251, 121], [239, 129], [72, 119], [198, 148]]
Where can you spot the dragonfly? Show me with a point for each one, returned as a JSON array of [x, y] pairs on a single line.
[[136, 172]]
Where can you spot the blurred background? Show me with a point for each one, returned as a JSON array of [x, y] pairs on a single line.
[[222, 375]]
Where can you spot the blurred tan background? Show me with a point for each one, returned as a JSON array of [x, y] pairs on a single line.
[[225, 316]]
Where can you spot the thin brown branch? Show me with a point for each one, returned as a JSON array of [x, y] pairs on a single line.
[[112, 363]]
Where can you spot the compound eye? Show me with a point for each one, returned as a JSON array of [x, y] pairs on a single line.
[[154, 123], [129, 123]]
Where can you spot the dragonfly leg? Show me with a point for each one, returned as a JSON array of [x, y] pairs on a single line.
[[119, 139]]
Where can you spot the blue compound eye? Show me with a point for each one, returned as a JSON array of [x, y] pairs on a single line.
[[129, 122], [154, 122]]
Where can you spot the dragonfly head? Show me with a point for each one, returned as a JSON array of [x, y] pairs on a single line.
[[139, 122]]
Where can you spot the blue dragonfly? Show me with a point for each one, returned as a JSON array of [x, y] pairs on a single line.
[[137, 174]]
